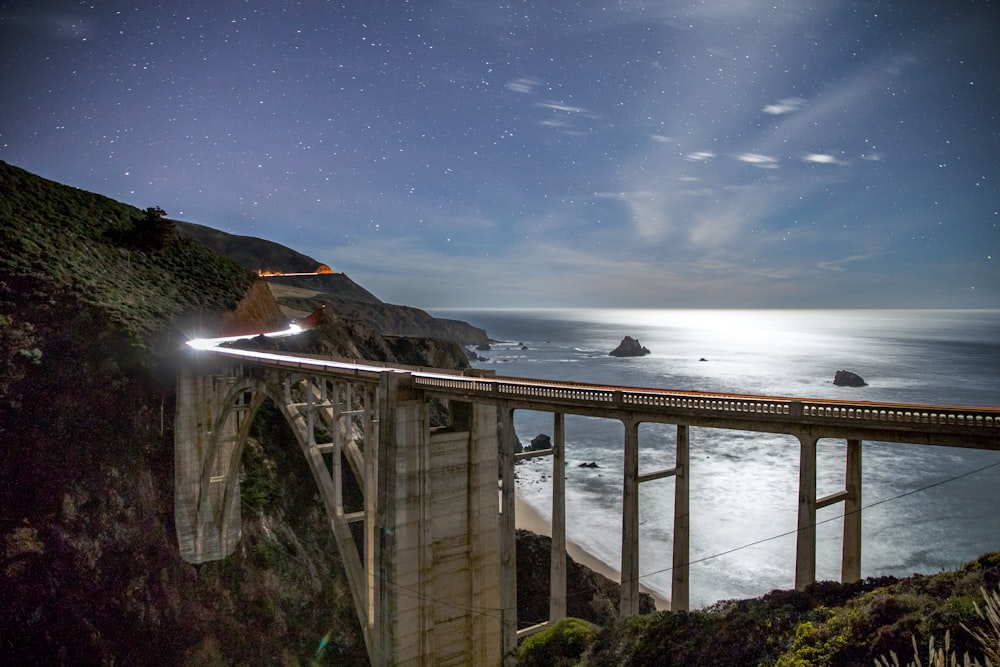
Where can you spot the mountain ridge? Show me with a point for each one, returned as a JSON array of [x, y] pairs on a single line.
[[336, 291]]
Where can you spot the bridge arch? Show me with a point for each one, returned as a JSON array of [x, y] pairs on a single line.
[[313, 408]]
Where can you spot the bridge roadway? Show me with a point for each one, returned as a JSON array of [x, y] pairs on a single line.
[[807, 419], [955, 426]]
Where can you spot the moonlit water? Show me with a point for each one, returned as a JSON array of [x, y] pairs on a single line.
[[744, 485]]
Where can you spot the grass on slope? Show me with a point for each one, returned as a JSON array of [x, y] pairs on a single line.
[[131, 264]]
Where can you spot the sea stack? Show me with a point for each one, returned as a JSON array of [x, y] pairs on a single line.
[[629, 347], [844, 378]]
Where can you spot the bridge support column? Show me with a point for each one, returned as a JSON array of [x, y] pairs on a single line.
[[629, 605], [508, 544], [400, 515], [679, 589], [436, 543], [850, 570], [557, 574], [805, 555], [805, 546], [206, 487]]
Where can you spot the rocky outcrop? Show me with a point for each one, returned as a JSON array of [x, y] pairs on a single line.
[[629, 347], [540, 442], [844, 378], [257, 311], [589, 595]]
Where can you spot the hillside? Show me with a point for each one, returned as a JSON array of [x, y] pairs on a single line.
[[300, 295], [96, 298]]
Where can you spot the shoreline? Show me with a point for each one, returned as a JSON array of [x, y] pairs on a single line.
[[527, 517]]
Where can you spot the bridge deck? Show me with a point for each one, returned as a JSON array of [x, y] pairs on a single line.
[[946, 425]]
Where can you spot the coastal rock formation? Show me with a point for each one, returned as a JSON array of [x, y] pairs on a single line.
[[629, 347], [539, 442], [844, 378]]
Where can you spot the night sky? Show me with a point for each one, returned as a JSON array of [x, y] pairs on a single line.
[[729, 153]]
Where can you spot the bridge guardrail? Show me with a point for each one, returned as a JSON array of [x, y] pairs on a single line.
[[974, 421]]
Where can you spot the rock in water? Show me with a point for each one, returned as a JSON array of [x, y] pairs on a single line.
[[540, 442], [629, 347], [844, 378]]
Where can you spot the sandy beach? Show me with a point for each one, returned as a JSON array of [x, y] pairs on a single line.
[[527, 518]]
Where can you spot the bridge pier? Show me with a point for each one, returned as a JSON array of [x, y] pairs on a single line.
[[206, 488], [805, 544], [629, 604], [425, 576], [557, 569], [679, 585], [805, 547], [679, 593], [436, 552], [508, 544]]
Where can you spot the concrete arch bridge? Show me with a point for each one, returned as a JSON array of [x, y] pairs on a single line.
[[434, 577]]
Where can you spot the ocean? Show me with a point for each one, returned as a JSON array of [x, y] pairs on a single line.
[[926, 509]]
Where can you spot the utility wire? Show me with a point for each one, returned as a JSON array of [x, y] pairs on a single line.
[[495, 612], [835, 518]]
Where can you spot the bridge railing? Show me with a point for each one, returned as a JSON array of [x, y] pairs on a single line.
[[980, 424]]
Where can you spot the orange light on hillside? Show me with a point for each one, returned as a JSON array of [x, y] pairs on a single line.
[[321, 270]]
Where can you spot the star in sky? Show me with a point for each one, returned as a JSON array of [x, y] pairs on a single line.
[[450, 153]]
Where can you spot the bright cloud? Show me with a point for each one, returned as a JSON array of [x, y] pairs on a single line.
[[758, 160], [523, 85], [787, 105], [822, 158]]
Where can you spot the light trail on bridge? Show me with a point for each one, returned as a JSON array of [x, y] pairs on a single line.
[[951, 423]]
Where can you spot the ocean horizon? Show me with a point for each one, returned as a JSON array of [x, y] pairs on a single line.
[[926, 508]]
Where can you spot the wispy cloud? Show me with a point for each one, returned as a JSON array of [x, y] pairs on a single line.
[[822, 158], [787, 105], [567, 108], [646, 212], [841, 264], [758, 160], [524, 85]]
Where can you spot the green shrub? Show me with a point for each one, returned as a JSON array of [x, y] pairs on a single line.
[[561, 644]]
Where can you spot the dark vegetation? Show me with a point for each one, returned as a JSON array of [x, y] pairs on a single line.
[[63, 247], [96, 298], [589, 596], [828, 624]]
